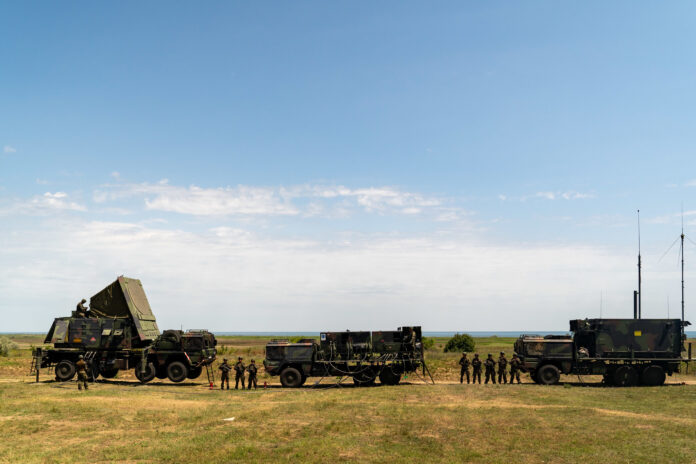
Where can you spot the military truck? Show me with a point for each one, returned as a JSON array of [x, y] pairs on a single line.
[[626, 352], [119, 332], [364, 356]]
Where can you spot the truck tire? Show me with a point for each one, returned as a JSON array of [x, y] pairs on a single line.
[[109, 373], [548, 375], [625, 376], [177, 371], [653, 376], [195, 372], [161, 372], [291, 377], [65, 370], [388, 377], [149, 373]]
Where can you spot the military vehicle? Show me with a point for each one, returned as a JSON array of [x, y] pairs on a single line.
[[364, 356], [626, 352], [120, 332]]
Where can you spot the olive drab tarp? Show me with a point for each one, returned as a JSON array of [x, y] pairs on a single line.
[[125, 298]]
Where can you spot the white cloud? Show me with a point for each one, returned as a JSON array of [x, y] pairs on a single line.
[[9, 149], [308, 200], [238, 280], [41, 204], [554, 195]]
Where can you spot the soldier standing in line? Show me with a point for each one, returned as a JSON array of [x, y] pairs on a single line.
[[225, 376], [81, 367], [252, 375], [515, 367], [239, 369], [490, 368], [464, 362], [476, 365], [502, 368]]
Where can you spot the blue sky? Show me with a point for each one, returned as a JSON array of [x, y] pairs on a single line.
[[465, 166]]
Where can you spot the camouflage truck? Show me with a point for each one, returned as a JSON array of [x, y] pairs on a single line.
[[364, 356], [625, 352], [119, 332]]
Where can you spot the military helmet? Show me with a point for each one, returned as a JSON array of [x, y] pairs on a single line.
[[81, 357], [490, 355], [502, 352], [239, 358], [253, 360], [476, 354], [83, 301], [224, 360]]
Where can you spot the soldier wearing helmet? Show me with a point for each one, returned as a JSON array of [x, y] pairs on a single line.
[[502, 368], [490, 368], [476, 365], [81, 367]]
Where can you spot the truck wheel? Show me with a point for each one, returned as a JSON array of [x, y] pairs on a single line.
[[548, 375], [533, 376], [625, 376], [177, 371], [291, 377], [653, 375], [388, 377], [161, 372], [195, 372], [109, 373], [149, 373], [65, 370]]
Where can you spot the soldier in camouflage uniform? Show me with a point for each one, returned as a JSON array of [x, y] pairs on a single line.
[[502, 368], [490, 368], [476, 365], [252, 375], [81, 367], [515, 367], [225, 374], [81, 309], [464, 362], [239, 369]]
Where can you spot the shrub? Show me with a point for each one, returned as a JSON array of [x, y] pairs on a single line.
[[461, 343], [6, 345], [428, 343]]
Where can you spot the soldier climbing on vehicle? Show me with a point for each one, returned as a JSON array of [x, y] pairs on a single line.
[[464, 362], [476, 365], [252, 375], [225, 374], [81, 309], [502, 368], [239, 369], [490, 368]]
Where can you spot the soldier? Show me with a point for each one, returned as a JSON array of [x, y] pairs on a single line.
[[476, 365], [81, 367], [239, 369], [252, 375], [225, 375], [490, 368], [464, 362], [515, 366], [502, 368], [80, 309]]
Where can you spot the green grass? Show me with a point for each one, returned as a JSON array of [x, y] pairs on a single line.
[[123, 421]]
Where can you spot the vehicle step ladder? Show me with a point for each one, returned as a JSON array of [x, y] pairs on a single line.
[[210, 372], [36, 363]]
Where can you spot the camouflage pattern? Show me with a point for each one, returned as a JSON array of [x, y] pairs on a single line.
[[624, 351], [361, 355], [120, 332], [252, 370], [239, 369], [476, 365], [502, 368], [464, 363], [515, 367], [81, 368], [489, 364], [224, 374]]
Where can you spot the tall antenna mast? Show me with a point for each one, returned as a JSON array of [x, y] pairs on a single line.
[[682, 263], [640, 293]]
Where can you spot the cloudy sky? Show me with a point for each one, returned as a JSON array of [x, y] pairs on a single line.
[[308, 166]]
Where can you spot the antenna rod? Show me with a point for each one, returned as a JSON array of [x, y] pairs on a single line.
[[682, 266], [640, 293]]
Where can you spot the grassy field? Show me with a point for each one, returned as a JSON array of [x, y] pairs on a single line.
[[123, 421]]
